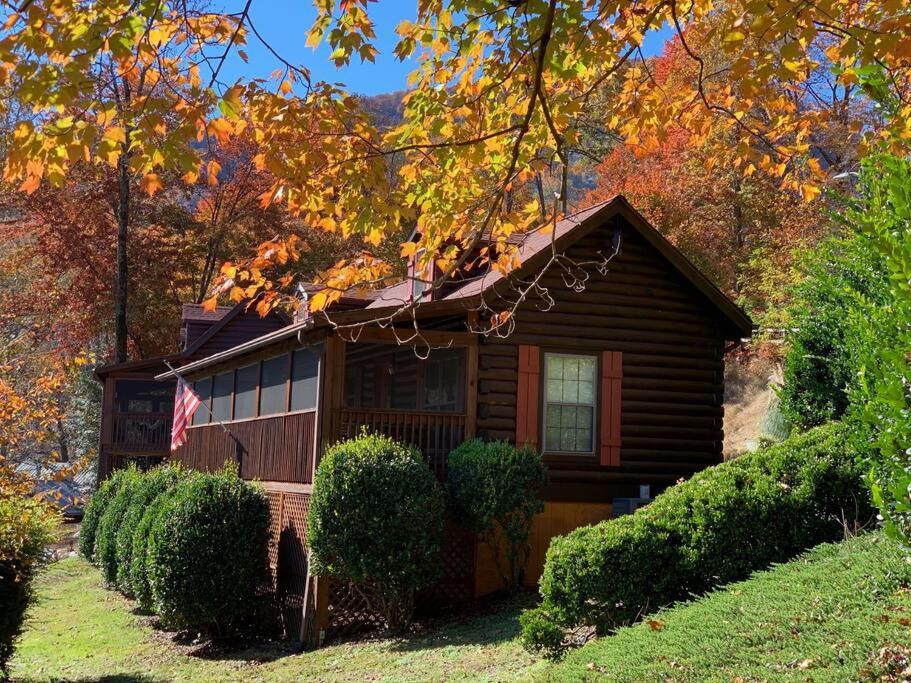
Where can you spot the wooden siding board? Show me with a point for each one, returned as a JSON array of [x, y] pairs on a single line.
[[278, 448]]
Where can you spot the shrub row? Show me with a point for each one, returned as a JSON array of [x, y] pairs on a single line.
[[191, 547], [26, 526], [717, 527]]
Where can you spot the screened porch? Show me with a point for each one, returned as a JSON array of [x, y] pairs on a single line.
[[424, 401]]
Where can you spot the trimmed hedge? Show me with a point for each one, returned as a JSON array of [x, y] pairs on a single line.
[[139, 575], [717, 527], [94, 511], [494, 490], [26, 527], [147, 489], [376, 519], [207, 553], [106, 536]]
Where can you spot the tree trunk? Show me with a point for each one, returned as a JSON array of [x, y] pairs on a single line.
[[123, 224]]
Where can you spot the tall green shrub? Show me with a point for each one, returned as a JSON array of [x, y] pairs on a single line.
[[881, 401], [822, 360], [140, 587], [208, 554], [26, 526], [717, 527], [94, 511], [376, 519], [106, 536], [148, 488], [494, 490]]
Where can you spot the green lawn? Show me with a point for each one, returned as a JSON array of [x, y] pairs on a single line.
[[820, 618], [80, 631], [817, 618]]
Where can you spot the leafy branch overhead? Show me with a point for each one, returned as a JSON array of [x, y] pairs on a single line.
[[500, 95]]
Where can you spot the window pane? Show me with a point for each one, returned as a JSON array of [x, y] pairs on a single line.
[[552, 440], [304, 379], [554, 390], [554, 367], [272, 392], [587, 369], [221, 397], [203, 389], [586, 392], [245, 392]]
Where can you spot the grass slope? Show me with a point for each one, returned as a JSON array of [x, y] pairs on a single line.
[[80, 631], [817, 618]]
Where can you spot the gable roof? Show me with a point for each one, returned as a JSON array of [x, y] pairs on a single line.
[[533, 253], [536, 248], [220, 318]]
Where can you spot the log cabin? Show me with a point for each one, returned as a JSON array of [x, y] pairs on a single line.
[[615, 373]]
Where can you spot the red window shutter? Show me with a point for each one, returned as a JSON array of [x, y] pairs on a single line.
[[528, 396], [611, 381]]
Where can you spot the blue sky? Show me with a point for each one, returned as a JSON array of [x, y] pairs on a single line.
[[284, 25]]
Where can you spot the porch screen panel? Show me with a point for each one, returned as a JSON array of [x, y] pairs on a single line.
[[245, 392], [444, 374], [273, 389], [403, 380], [221, 396], [203, 389], [304, 379]]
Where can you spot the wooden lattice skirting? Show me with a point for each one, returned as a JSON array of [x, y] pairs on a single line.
[[315, 608]]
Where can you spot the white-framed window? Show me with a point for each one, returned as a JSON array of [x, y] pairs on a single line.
[[570, 397]]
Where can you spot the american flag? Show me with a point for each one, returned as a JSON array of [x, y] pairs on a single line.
[[185, 404]]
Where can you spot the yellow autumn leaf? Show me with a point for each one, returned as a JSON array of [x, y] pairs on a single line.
[[151, 184]]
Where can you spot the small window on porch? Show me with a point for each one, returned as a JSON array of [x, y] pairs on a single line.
[[387, 377], [221, 396], [245, 392], [304, 379], [143, 396], [203, 389], [273, 393], [569, 403]]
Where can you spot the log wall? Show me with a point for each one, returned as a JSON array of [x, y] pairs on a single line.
[[673, 368]]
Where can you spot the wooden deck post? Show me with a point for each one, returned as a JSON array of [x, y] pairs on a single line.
[[333, 391], [471, 389]]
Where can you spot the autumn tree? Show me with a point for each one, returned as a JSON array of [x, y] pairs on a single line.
[[495, 99], [741, 228]]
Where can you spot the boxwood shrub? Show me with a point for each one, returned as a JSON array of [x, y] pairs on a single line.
[[376, 519], [106, 536], [148, 488], [719, 526], [207, 555], [494, 490], [139, 575], [26, 527], [94, 511]]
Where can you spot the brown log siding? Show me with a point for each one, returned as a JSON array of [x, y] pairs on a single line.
[[673, 368], [278, 448]]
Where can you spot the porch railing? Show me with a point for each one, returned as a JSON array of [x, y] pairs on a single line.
[[144, 432], [434, 433]]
